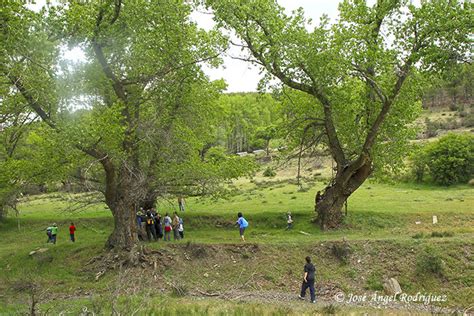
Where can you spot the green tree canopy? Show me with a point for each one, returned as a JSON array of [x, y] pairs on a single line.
[[359, 76]]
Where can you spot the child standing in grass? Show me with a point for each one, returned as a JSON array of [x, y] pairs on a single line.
[[54, 232], [289, 221], [175, 224], [72, 231], [167, 224], [181, 228], [243, 224], [48, 232]]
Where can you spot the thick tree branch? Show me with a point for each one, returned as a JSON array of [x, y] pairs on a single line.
[[33, 103]]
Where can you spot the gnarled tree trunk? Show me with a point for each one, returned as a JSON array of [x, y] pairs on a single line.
[[123, 192], [125, 235], [328, 206]]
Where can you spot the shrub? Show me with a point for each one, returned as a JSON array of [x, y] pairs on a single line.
[[329, 309], [429, 262], [374, 282], [468, 120], [341, 251], [179, 289], [418, 236], [451, 158], [431, 128], [418, 164], [269, 172], [442, 234]]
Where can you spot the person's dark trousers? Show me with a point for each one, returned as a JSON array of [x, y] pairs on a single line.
[[73, 239], [181, 234], [159, 233], [148, 232], [310, 285], [49, 238], [153, 232], [176, 234], [53, 239]]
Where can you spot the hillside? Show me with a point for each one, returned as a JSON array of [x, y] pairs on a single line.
[[212, 271]]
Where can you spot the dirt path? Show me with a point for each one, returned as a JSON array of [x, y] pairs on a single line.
[[291, 300]]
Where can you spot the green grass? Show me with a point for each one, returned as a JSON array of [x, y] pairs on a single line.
[[380, 226]]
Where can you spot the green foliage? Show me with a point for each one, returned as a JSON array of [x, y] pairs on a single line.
[[374, 282], [341, 251], [248, 121], [442, 234], [451, 159], [354, 85], [418, 161], [430, 263], [457, 85], [269, 172], [330, 309]]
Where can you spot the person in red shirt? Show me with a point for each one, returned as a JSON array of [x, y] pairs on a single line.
[[72, 230]]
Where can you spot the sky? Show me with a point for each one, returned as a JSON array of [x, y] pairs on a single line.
[[240, 76]]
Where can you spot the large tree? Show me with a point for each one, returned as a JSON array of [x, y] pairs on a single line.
[[359, 75], [146, 104]]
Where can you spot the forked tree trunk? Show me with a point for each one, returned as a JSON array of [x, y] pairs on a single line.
[[149, 201], [328, 206]]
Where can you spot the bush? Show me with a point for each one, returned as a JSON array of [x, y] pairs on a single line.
[[431, 128], [418, 236], [418, 164], [468, 120], [341, 251], [442, 234], [269, 172], [451, 159], [329, 309], [430, 263], [374, 282]]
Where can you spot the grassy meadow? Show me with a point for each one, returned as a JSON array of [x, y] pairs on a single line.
[[388, 228]]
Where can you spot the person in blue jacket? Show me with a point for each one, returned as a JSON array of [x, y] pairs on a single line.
[[242, 222]]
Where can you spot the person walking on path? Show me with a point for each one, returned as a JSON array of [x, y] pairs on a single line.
[[72, 231], [167, 224], [308, 280], [54, 233], [175, 223], [243, 224]]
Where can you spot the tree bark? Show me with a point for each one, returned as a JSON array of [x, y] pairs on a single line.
[[149, 201], [123, 193], [328, 206], [125, 235]]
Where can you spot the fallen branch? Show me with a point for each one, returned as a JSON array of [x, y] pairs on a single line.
[[208, 294]]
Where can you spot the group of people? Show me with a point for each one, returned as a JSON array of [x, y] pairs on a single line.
[[158, 227], [52, 232]]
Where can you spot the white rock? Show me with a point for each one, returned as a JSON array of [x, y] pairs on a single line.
[[392, 287]]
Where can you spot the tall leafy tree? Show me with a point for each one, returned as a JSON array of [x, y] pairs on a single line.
[[359, 76], [148, 102]]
